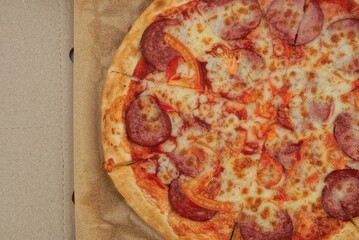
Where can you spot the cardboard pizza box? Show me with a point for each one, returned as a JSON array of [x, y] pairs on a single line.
[[101, 212], [36, 173]]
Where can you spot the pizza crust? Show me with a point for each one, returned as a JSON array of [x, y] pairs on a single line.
[[115, 143], [349, 231], [122, 67]]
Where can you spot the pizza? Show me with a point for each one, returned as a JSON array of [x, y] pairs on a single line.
[[238, 119]]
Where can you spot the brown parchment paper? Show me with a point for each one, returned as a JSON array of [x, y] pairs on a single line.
[[101, 212]]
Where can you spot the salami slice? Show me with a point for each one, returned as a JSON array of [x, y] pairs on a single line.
[[147, 124], [320, 110], [283, 230], [153, 46], [311, 24], [284, 18], [186, 163], [341, 41], [232, 19], [184, 207], [294, 22], [288, 155], [340, 197], [346, 135]]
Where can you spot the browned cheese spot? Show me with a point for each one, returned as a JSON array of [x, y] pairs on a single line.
[[265, 213], [209, 138], [345, 99], [206, 41], [178, 105], [214, 17], [243, 11], [230, 186], [257, 203], [313, 51], [325, 44], [351, 35], [311, 76], [313, 90], [288, 13], [227, 21], [272, 67], [200, 28], [240, 165]]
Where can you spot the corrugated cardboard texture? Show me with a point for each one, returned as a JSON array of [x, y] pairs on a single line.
[[101, 213], [36, 174]]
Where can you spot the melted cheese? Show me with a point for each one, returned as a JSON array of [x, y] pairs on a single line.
[[166, 170], [219, 17], [195, 34], [168, 146], [341, 44], [235, 188], [211, 113], [176, 122], [229, 128], [183, 100], [221, 81], [263, 213]]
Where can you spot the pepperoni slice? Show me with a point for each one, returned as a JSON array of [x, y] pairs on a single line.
[[346, 135], [153, 46], [311, 24], [283, 230], [187, 164], [232, 19], [288, 155], [340, 197], [184, 207], [284, 18], [294, 22], [198, 158], [341, 41], [320, 110], [147, 124]]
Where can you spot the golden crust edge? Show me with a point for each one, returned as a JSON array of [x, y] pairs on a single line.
[[114, 93], [349, 231], [130, 48]]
